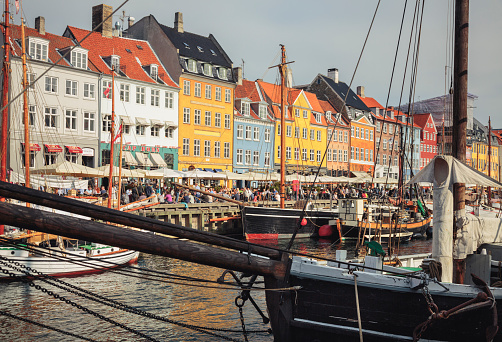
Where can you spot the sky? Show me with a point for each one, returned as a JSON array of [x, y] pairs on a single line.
[[319, 35]]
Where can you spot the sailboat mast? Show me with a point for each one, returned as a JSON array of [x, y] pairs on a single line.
[[489, 159], [119, 189], [25, 114], [282, 69], [460, 110], [112, 137]]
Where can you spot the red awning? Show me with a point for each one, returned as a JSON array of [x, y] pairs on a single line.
[[74, 149], [53, 148], [34, 147]]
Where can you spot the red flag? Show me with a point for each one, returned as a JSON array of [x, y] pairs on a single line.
[[118, 135], [17, 6], [107, 91]]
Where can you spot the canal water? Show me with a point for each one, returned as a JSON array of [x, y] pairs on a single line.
[[195, 305]]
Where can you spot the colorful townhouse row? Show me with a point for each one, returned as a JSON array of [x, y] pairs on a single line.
[[181, 104]]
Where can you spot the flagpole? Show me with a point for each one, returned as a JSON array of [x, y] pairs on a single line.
[[119, 190]]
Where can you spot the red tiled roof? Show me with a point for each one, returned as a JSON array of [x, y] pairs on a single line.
[[371, 102], [101, 47], [247, 89], [421, 119]]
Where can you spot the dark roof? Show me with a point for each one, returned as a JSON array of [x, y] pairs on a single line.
[[200, 48], [341, 89]]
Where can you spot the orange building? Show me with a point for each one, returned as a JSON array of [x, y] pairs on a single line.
[[362, 145], [338, 141]]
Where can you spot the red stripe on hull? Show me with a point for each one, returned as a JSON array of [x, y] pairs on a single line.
[[262, 236]]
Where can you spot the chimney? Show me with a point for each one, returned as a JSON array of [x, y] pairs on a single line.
[[99, 13], [178, 22], [289, 77], [40, 24], [238, 75], [130, 22], [360, 91], [333, 74]]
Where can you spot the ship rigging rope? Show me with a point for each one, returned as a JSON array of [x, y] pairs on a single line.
[[110, 302]]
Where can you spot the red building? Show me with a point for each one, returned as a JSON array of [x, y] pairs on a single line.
[[428, 137]]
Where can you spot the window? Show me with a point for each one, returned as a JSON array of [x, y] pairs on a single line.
[[278, 129], [217, 120], [367, 136], [207, 148], [140, 130], [240, 131], [186, 146], [317, 117], [154, 131], [186, 115], [297, 153], [51, 117], [248, 132], [154, 71], [196, 116], [262, 112], [89, 91], [186, 87], [384, 159], [371, 135], [305, 133], [304, 154], [267, 134], [169, 99], [288, 131], [155, 97], [107, 122], [297, 112], [366, 155], [378, 126], [267, 158], [357, 132], [222, 72], [256, 158], [279, 151], [115, 60], [345, 136], [335, 136], [51, 84], [208, 70], [312, 134], [330, 134], [288, 152], [38, 50], [207, 118], [50, 158], [335, 153], [305, 114], [352, 131], [297, 132], [169, 132], [71, 119], [71, 88], [378, 159], [192, 65], [228, 95], [31, 80], [197, 90], [245, 108], [319, 136], [226, 150], [248, 157], [352, 152], [340, 155], [357, 153], [385, 128], [79, 59], [345, 155], [196, 147], [391, 128], [384, 144], [256, 133], [32, 113], [32, 158], [208, 91], [140, 95], [217, 149], [318, 156], [311, 155], [329, 154], [227, 121], [124, 92], [240, 155], [217, 93]]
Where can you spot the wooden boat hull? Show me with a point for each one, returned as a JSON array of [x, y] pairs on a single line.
[[67, 265], [262, 223], [325, 308], [420, 228]]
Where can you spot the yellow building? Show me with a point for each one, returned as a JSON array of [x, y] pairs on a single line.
[[480, 159], [305, 129]]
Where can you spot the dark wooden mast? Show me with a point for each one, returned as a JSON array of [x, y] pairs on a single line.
[[112, 137], [460, 111], [282, 70], [489, 159], [26, 119]]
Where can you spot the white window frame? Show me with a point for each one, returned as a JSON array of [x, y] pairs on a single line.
[[51, 84], [89, 91], [197, 116], [70, 119]]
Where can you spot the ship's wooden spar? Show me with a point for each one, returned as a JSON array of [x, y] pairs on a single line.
[[8, 190], [47, 222], [223, 198]]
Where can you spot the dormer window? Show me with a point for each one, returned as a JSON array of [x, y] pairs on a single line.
[[317, 117], [115, 62], [245, 108], [222, 73], [192, 65], [187, 46], [200, 49], [79, 58], [39, 49], [328, 116], [207, 69], [154, 71], [262, 111]]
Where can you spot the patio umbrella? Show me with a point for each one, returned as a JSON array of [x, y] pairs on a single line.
[[126, 173], [66, 168]]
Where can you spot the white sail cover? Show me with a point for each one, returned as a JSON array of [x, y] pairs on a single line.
[[461, 173], [477, 231]]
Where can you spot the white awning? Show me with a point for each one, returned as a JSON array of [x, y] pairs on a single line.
[[126, 120], [157, 160], [171, 124], [129, 159], [142, 121], [155, 122], [143, 159]]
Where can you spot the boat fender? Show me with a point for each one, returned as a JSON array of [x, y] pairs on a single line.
[[325, 230], [304, 222]]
